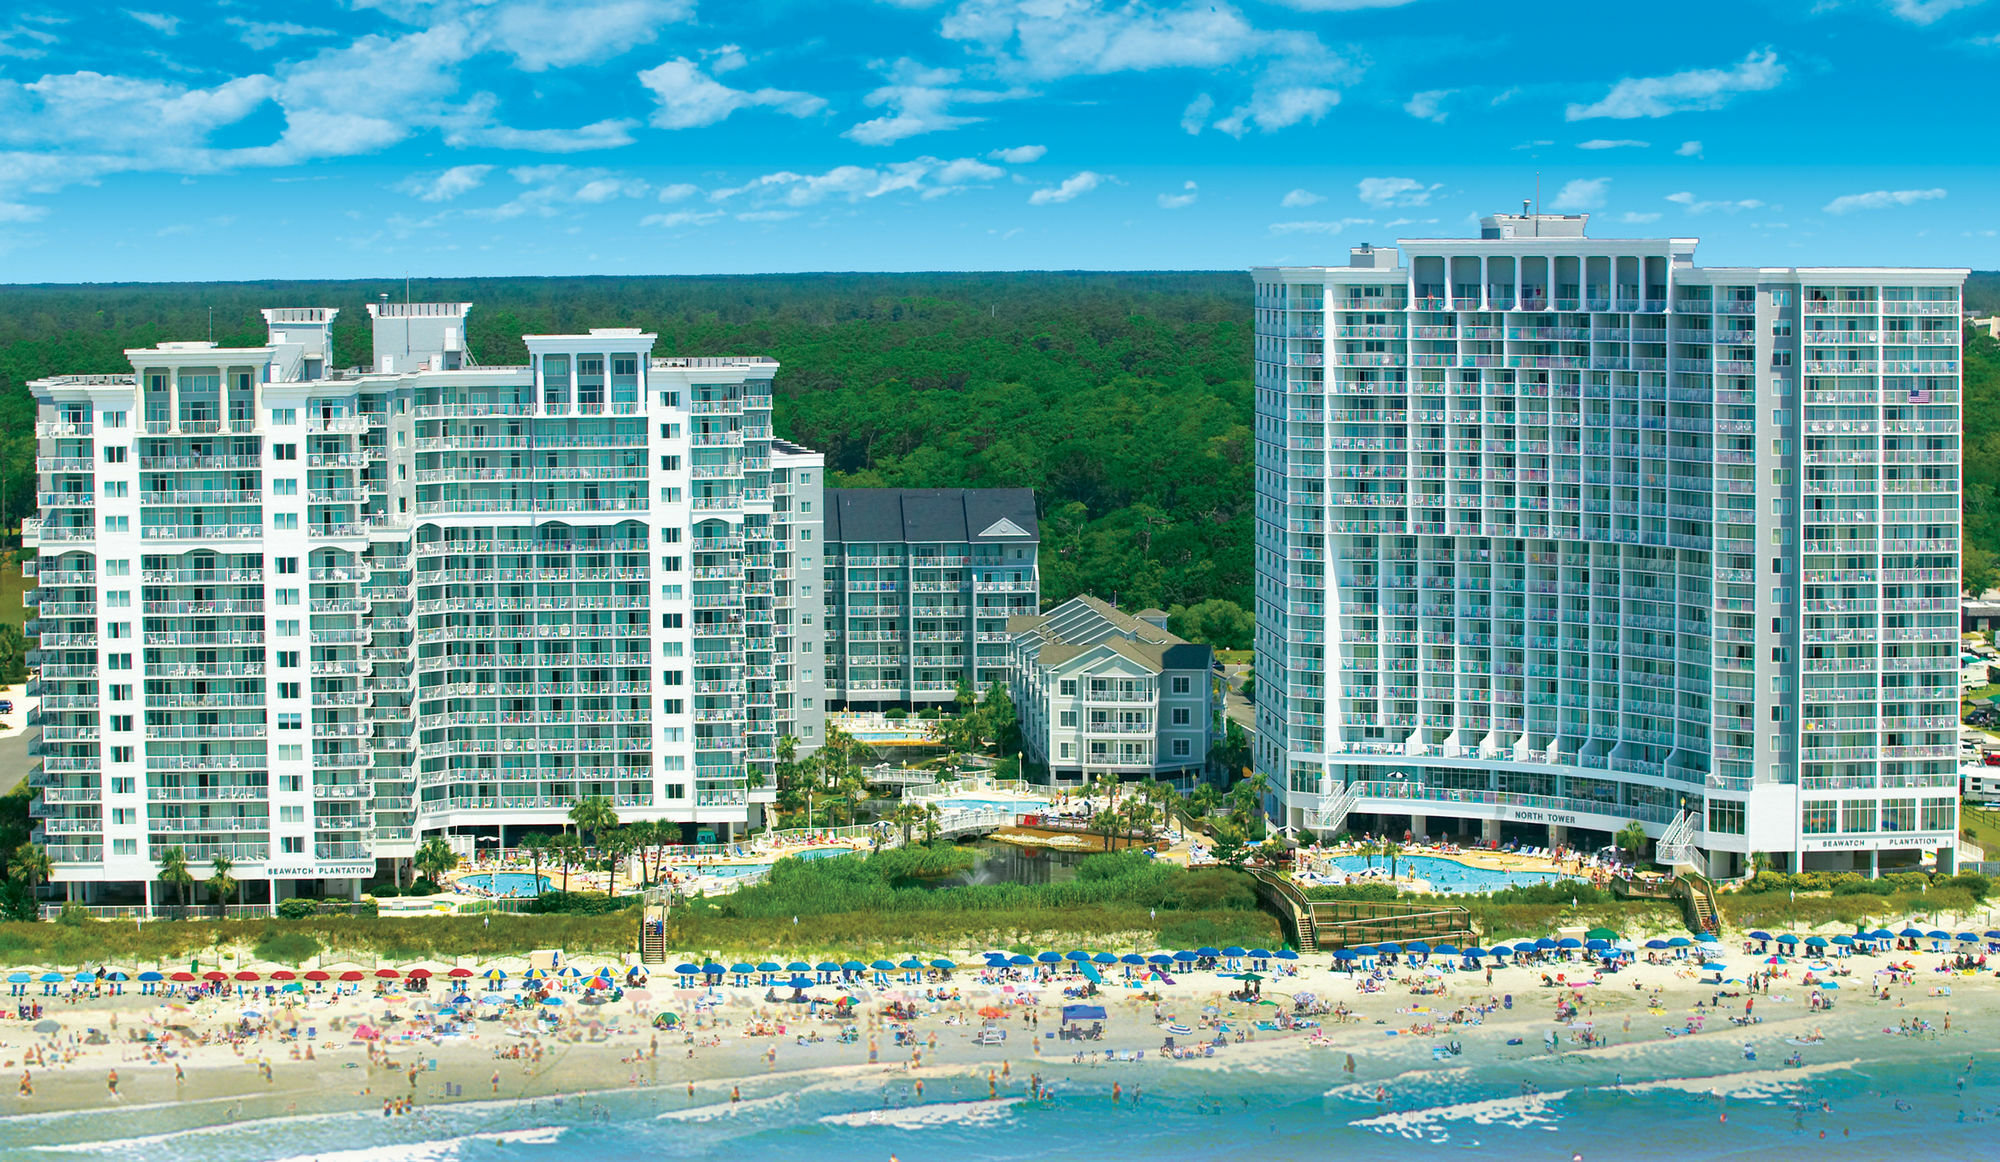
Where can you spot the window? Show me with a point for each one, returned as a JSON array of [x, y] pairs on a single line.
[[673, 536], [1940, 815], [669, 399], [288, 597], [113, 419], [805, 534], [1069, 750], [118, 629], [292, 752], [284, 417], [1067, 687], [291, 722], [670, 463], [292, 814], [284, 521], [291, 782], [670, 677], [117, 568], [1069, 718], [288, 689], [286, 487], [119, 661], [1183, 685], [670, 649], [288, 658], [1182, 748], [124, 847], [288, 628], [670, 564], [121, 754], [284, 451], [670, 621], [115, 455], [121, 722], [292, 844], [1857, 815], [125, 785], [1725, 816], [117, 524], [672, 706], [121, 692], [1182, 716], [118, 489], [118, 599], [1821, 818], [124, 816], [677, 791], [674, 733], [1899, 814], [288, 564]]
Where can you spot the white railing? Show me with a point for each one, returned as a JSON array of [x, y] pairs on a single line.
[[1676, 844], [1333, 811]]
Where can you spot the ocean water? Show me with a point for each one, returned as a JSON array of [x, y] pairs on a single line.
[[1709, 1102]]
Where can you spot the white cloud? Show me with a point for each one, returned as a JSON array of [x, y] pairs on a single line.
[[683, 218], [158, 22], [678, 192], [1020, 154], [1688, 149], [1342, 5], [18, 212], [928, 177], [558, 35], [1695, 89], [25, 42], [1696, 205], [1194, 118], [609, 134], [766, 215], [1927, 11], [1633, 218], [920, 100], [1610, 143], [1074, 186], [1581, 194], [1881, 200], [443, 187], [689, 98], [1429, 105], [1383, 193], [1276, 107], [1337, 226], [259, 35], [553, 188], [1181, 200], [1301, 198]]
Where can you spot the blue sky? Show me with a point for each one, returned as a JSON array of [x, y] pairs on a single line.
[[364, 138]]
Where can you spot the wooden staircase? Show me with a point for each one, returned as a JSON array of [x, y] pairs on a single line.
[[1698, 903], [653, 935]]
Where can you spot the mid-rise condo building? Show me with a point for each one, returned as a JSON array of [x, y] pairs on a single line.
[[1558, 532], [919, 586], [300, 618]]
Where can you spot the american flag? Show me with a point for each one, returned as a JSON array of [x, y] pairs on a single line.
[[1920, 395]]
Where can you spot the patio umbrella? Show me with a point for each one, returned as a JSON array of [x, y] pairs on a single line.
[[1418, 947], [1600, 934], [1286, 954], [1104, 958], [1501, 950], [909, 964], [1186, 957], [882, 966], [1815, 942], [210, 975], [1446, 950], [1077, 957], [1131, 958], [1049, 957], [1159, 958], [246, 976], [351, 975], [942, 963], [1760, 935], [317, 975], [798, 966], [710, 968], [1388, 946], [1232, 950], [284, 974], [1208, 952], [1020, 960]]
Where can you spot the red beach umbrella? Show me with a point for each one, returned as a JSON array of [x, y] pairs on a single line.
[[247, 975], [212, 975], [316, 974], [419, 973], [182, 976], [459, 972], [284, 974], [350, 975], [386, 974]]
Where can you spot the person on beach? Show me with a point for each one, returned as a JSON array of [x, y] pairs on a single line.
[[27, 1084], [111, 1083]]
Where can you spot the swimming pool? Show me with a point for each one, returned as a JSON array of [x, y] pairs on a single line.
[[1446, 875], [1025, 806], [506, 883], [731, 871]]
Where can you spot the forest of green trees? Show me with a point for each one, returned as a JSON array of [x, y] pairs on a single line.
[[1123, 399]]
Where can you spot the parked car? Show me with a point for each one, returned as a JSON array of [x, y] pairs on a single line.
[[6, 706]]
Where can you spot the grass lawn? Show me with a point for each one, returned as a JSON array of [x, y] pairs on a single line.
[[11, 586], [1981, 827], [1978, 694]]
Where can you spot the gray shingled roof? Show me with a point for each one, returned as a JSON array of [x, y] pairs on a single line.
[[930, 515]]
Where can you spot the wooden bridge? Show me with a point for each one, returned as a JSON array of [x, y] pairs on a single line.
[[1323, 925]]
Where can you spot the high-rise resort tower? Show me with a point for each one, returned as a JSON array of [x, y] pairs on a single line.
[[302, 618], [1555, 533]]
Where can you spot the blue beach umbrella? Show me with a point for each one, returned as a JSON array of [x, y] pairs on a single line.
[[911, 963], [1388, 946], [1233, 950], [881, 965], [1788, 938], [1343, 954], [742, 968], [1679, 942], [1446, 950], [1418, 948], [943, 963], [827, 966], [1474, 952], [1502, 950], [1569, 942], [1545, 944], [853, 966], [1208, 952], [1159, 958], [1286, 954], [1911, 934], [802, 982], [1815, 942], [1260, 954], [1132, 958], [1993, 933], [687, 970], [1366, 950], [1845, 941], [150, 977], [1597, 945], [1656, 944], [767, 966], [51, 978], [1077, 957], [1760, 936], [1020, 960], [1881, 934], [1968, 938], [1186, 957], [996, 958], [1104, 958], [1935, 934], [19, 978]]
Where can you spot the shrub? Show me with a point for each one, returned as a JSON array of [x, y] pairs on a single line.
[[297, 908], [581, 904], [1860, 887], [1553, 892], [1374, 892], [285, 946], [423, 887], [73, 915], [1977, 885], [895, 713]]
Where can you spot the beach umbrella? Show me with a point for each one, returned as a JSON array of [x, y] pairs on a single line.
[[798, 966], [151, 977], [1600, 934], [181, 977], [1104, 958], [881, 966], [1545, 944], [284, 974], [742, 968], [1597, 945], [493, 974], [210, 975], [1418, 947], [1993, 933], [1260, 954], [350, 976], [828, 966], [1815, 942], [1968, 938], [710, 968], [1186, 957], [1568, 942], [1656, 944], [1935, 934], [292, 987], [1788, 938], [767, 966], [1159, 958], [1285, 954], [1881, 934], [1446, 950], [459, 972], [1501, 950], [1078, 957], [316, 975], [85, 978], [910, 964], [47, 1027], [1233, 950], [1388, 947], [1474, 952], [1774, 960], [1208, 952], [802, 982], [552, 1000], [1760, 935], [1342, 954], [1678, 942], [569, 970], [1714, 966], [1911, 934], [1844, 940], [1049, 957], [1365, 950], [387, 974], [1826, 984], [19, 978], [246, 976], [1131, 958], [1020, 960]]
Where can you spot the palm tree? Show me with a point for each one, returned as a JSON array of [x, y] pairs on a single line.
[[174, 870], [1106, 821], [593, 814], [536, 845], [434, 858], [645, 835], [566, 848], [933, 820], [616, 844], [1391, 850], [221, 885], [908, 815], [30, 865]]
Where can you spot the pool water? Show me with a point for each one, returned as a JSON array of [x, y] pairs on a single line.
[[730, 871], [1025, 806], [1446, 875], [506, 883]]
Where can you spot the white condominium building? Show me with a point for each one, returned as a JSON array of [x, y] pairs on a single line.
[[1566, 532], [300, 618]]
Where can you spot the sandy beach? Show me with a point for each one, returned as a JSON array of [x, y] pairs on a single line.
[[1402, 1032]]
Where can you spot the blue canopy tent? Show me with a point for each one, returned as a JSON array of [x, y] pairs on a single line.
[[1072, 1013]]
